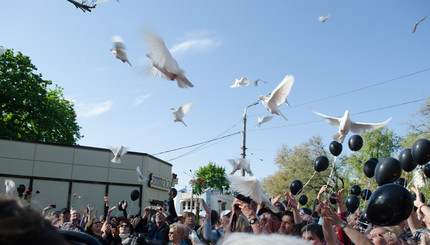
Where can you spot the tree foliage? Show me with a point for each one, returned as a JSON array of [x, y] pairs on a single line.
[[31, 110], [212, 176], [419, 126], [297, 163], [380, 143]]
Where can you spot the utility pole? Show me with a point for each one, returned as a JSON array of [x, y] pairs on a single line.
[[244, 133]]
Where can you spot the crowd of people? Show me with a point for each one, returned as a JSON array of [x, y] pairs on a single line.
[[246, 222]]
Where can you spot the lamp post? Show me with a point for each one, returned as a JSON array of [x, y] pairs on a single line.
[[244, 133]]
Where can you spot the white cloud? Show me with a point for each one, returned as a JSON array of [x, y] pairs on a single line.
[[86, 110], [195, 44], [139, 100]]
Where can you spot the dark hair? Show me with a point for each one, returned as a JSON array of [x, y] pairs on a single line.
[[23, 225], [288, 213], [125, 220], [242, 197], [315, 229]]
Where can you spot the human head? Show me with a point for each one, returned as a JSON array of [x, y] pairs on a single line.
[[313, 233], [75, 216], [93, 227], [242, 224], [385, 235], [176, 233], [64, 215], [179, 219], [225, 218], [280, 206], [189, 219], [160, 220], [125, 227], [23, 225], [269, 219], [287, 224]]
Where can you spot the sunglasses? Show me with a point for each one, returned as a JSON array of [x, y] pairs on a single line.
[[124, 226]]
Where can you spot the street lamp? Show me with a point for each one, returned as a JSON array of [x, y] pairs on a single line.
[[244, 132]]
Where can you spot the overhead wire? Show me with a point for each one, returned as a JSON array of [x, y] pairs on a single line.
[[201, 144]]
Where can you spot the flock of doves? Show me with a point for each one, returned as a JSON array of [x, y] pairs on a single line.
[[164, 65]]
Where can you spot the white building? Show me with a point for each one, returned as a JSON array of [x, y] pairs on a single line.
[[59, 171]]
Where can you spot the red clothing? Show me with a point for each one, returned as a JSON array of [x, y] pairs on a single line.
[[343, 238]]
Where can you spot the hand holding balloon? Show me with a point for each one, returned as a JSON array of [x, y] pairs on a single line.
[[340, 201], [419, 199], [322, 190], [292, 201]]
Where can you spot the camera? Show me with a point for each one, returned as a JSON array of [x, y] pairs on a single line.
[[53, 205]]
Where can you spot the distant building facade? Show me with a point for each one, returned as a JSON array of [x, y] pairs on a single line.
[[59, 172]]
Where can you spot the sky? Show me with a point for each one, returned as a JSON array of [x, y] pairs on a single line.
[[364, 59]]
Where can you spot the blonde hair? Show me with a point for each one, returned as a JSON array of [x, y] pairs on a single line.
[[242, 224], [180, 228]]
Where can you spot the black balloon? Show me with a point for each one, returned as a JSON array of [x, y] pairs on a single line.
[[369, 167], [335, 148], [414, 197], [296, 187], [387, 171], [363, 220], [421, 151], [134, 195], [21, 188], [355, 190], [402, 182], [303, 199], [332, 198], [352, 202], [120, 205], [406, 160], [427, 170], [365, 194], [321, 163], [355, 142], [389, 205]]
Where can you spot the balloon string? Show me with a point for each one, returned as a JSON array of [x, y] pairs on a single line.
[[131, 208], [413, 178], [331, 173], [367, 199], [307, 182]]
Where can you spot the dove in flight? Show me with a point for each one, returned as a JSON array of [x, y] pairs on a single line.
[[416, 24], [243, 82], [10, 186], [241, 164], [323, 19], [278, 96], [119, 49], [162, 63], [257, 81], [250, 186], [264, 119], [181, 112], [118, 152], [345, 125], [140, 177]]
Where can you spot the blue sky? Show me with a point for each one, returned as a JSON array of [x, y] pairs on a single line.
[[365, 44]]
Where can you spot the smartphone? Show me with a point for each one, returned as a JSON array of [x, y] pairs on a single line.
[[53, 205]]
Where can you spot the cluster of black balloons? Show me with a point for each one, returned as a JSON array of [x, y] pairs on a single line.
[[391, 202]]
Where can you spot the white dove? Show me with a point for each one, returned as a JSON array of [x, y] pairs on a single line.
[[140, 177], [323, 19], [345, 125], [162, 63], [10, 186], [250, 186], [181, 112], [264, 119], [118, 152], [241, 164], [416, 24], [2, 50], [119, 49], [243, 82], [279, 95]]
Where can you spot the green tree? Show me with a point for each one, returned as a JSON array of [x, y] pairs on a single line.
[[297, 163], [31, 110], [419, 127], [212, 176], [380, 143]]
